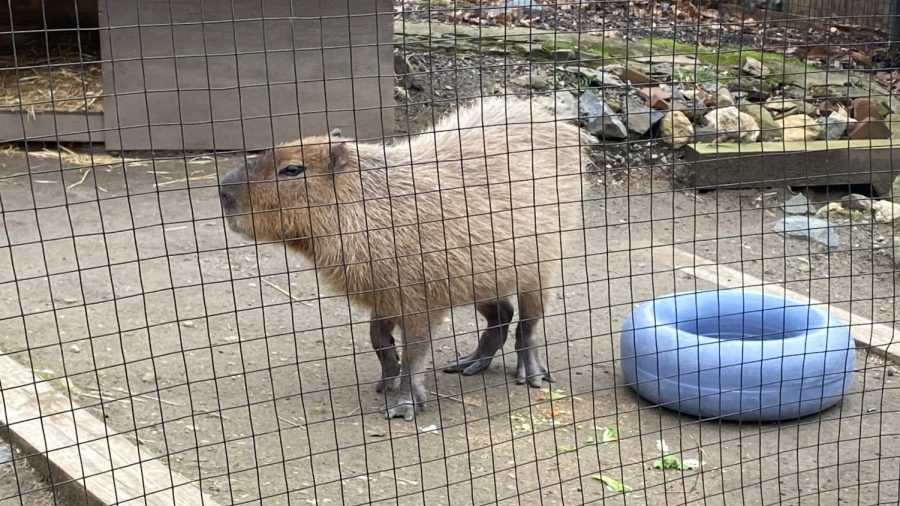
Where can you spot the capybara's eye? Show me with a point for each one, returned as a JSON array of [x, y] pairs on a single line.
[[292, 170]]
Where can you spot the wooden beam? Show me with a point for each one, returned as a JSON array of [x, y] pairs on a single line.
[[878, 337], [79, 454]]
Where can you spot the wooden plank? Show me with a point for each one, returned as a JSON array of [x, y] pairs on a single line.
[[777, 164], [81, 455], [878, 337]]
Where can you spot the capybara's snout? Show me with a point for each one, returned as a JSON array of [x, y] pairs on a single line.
[[232, 192]]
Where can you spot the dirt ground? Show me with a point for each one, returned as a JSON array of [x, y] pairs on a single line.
[[186, 339]]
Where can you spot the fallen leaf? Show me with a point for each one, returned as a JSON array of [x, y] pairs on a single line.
[[612, 483], [610, 434]]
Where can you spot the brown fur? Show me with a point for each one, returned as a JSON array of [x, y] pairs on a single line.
[[470, 211]]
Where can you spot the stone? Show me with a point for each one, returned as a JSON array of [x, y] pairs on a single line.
[[599, 119], [676, 129], [862, 108], [148, 377], [639, 118], [798, 204], [833, 126], [705, 133], [869, 128], [893, 123], [799, 127], [730, 123], [635, 76], [781, 106], [857, 202], [597, 77], [885, 211], [724, 98], [769, 129], [658, 98], [535, 81], [693, 108], [895, 190], [754, 67], [753, 93]]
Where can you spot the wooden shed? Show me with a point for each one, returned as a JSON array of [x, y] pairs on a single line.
[[197, 74]]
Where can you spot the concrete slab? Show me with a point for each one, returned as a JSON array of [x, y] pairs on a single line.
[[771, 164]]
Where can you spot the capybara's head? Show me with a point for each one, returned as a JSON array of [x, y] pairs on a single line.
[[275, 197]]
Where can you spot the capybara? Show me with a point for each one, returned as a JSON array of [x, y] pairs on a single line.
[[471, 211]]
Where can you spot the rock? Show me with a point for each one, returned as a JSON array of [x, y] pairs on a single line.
[[862, 108], [535, 81], [724, 98], [811, 228], [886, 211], [658, 98], [693, 108], [835, 210], [640, 118], [148, 377], [705, 133], [401, 93], [635, 76], [769, 129], [833, 126], [799, 127], [676, 129], [782, 106], [895, 190], [599, 119], [893, 123], [753, 93], [857, 202], [75, 348], [754, 67], [730, 123], [798, 204], [869, 128], [598, 77]]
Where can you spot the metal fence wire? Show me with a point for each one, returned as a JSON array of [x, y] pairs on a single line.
[[448, 252]]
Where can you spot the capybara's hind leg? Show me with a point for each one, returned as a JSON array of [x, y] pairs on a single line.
[[416, 349], [382, 338], [529, 365], [498, 315]]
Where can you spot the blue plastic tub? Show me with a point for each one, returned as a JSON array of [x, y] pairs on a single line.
[[737, 355]]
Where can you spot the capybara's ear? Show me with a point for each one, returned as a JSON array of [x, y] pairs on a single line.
[[337, 133], [339, 155]]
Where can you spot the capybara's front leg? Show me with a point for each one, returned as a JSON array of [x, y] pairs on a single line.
[[498, 315], [382, 338], [416, 348]]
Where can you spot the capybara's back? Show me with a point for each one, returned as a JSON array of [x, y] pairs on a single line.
[[476, 204]]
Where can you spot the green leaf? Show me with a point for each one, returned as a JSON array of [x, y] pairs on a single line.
[[553, 395], [564, 448], [612, 483], [610, 434], [591, 440], [667, 462]]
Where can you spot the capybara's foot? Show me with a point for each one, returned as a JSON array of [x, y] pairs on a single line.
[[530, 368], [472, 364], [411, 398]]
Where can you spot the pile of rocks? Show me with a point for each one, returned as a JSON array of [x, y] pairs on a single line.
[[623, 102]]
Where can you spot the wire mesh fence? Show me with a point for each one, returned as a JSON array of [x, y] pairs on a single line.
[[237, 235]]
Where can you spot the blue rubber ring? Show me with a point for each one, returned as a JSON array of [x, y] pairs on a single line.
[[737, 355]]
